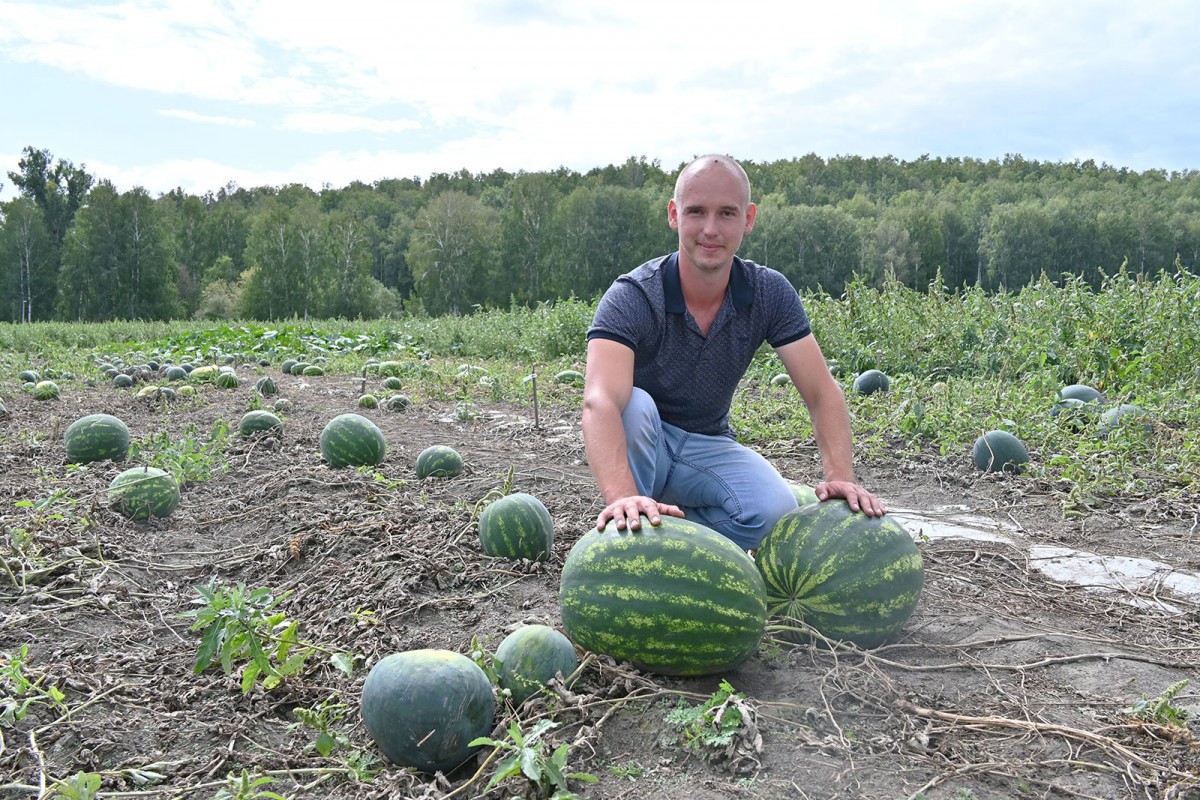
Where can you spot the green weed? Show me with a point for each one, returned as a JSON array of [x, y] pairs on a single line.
[[546, 775]]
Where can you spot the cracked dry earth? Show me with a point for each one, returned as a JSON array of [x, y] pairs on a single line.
[[1010, 680]]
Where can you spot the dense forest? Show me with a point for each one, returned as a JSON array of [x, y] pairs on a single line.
[[73, 247]]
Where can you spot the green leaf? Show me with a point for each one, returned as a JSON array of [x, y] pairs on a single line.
[[343, 662]]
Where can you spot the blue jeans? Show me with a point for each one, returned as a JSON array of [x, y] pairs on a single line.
[[716, 481]]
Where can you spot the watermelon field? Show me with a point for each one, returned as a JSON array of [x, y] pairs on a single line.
[[221, 649]]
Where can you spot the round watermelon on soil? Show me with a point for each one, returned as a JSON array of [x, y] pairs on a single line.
[[423, 708], [849, 576], [517, 526], [439, 461], [352, 440], [999, 450], [96, 437], [530, 657], [257, 421], [143, 492], [677, 599]]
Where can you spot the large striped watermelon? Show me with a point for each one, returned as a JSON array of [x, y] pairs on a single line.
[[517, 526], [142, 492], [677, 599], [96, 437], [849, 576], [352, 440], [423, 708]]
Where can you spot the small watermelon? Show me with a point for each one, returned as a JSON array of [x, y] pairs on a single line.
[[1081, 391], [872, 381], [258, 421], [999, 450], [782, 379], [573, 376], [423, 708], [142, 492], [352, 440], [45, 390], [1125, 413], [439, 461], [530, 657], [228, 380], [266, 386], [676, 599], [849, 576], [517, 526], [368, 401], [392, 383], [96, 437], [175, 373], [396, 402], [29, 376]]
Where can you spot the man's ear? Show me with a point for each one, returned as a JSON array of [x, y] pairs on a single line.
[[673, 214], [751, 211]]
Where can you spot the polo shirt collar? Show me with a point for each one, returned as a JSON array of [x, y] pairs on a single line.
[[739, 285]]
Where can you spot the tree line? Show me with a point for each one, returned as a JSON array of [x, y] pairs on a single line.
[[73, 247]]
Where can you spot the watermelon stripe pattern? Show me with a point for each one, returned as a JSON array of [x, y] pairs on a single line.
[[849, 576], [677, 599], [439, 461], [96, 437], [142, 492], [352, 440], [517, 526]]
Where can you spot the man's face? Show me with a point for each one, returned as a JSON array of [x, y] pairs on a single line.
[[711, 214]]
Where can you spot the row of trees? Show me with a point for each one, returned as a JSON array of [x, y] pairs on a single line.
[[72, 247]]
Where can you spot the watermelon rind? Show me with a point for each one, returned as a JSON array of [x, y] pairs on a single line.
[[803, 493], [530, 657], [675, 599], [423, 708], [1081, 391], [439, 461], [517, 526], [849, 576], [999, 450], [352, 440], [45, 390], [258, 421], [871, 381], [96, 437], [142, 492]]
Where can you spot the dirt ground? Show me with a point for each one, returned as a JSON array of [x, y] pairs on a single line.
[[1007, 682]]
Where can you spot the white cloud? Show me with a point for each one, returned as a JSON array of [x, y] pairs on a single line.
[[317, 122], [397, 89], [207, 119]]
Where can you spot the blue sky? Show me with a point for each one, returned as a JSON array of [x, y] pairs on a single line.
[[197, 94]]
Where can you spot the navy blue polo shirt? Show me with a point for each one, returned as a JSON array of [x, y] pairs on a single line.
[[692, 377]]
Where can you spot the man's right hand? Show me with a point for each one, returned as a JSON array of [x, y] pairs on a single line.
[[628, 512]]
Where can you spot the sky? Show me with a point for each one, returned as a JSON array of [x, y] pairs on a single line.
[[197, 94]]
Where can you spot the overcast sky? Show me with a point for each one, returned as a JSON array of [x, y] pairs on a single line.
[[197, 93]]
